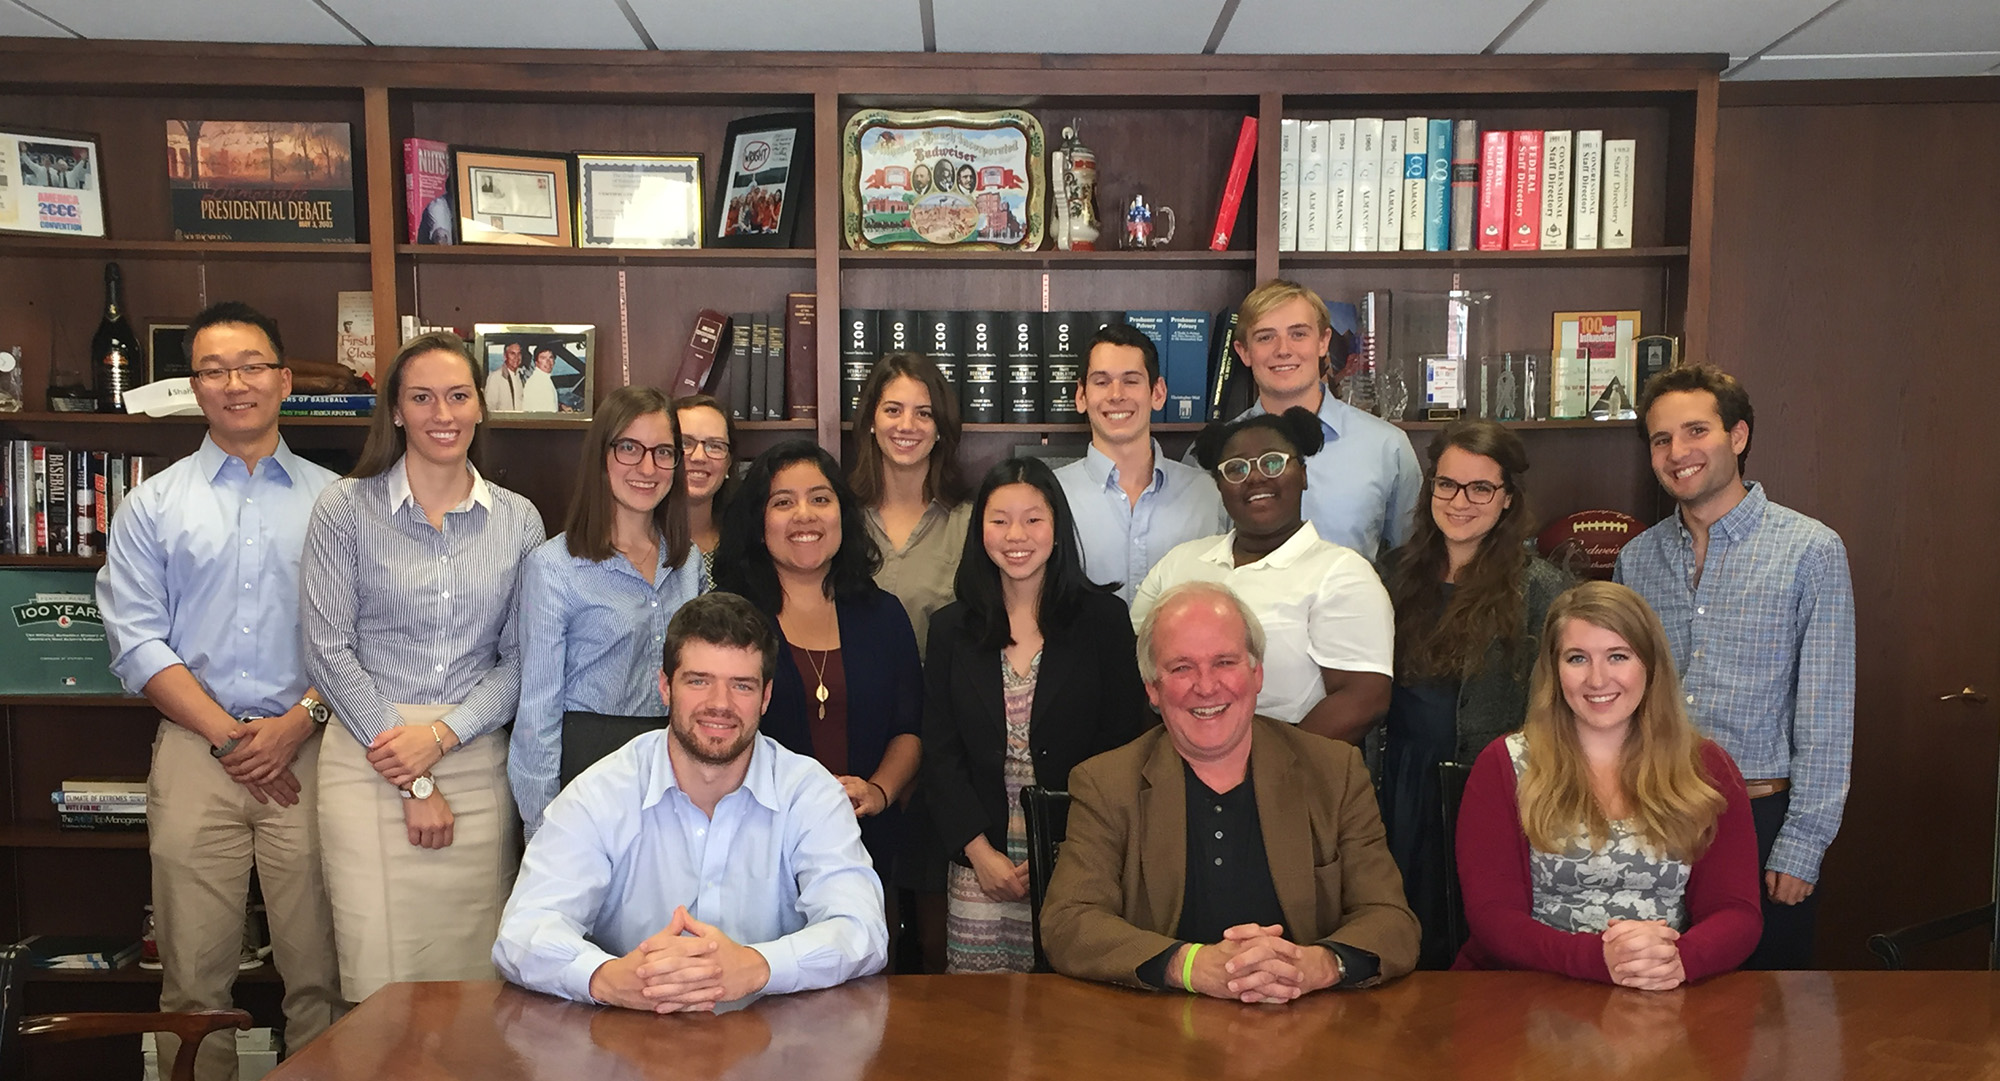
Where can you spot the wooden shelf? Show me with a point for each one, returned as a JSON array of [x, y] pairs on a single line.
[[108, 248], [1049, 260], [53, 562], [1526, 425], [537, 253], [1599, 257], [1190, 427], [34, 836], [98, 418]]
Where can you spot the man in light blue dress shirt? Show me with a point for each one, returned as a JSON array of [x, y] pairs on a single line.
[[200, 599], [1363, 485], [1132, 503], [701, 863], [1759, 611]]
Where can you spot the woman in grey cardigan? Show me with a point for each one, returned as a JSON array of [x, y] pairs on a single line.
[[1470, 598]]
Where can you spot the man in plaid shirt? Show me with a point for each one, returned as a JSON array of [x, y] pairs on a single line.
[[1760, 614]]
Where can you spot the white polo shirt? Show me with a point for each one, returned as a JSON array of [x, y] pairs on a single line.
[[1322, 606]]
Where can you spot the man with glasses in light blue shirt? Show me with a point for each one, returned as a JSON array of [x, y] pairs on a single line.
[[200, 599], [1132, 503], [1365, 483], [701, 863]]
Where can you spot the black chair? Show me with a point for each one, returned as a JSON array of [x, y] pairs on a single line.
[[1047, 814], [1451, 790], [190, 1026], [1892, 946]]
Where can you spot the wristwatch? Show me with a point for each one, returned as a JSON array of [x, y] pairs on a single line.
[[421, 788], [315, 709]]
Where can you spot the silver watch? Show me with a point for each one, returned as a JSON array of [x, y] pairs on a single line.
[[421, 788], [315, 709]]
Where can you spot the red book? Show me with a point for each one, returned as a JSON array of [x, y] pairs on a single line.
[[1232, 192], [1524, 208], [698, 358], [426, 175], [1493, 194], [802, 355]]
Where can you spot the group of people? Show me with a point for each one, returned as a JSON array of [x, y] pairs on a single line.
[[766, 732]]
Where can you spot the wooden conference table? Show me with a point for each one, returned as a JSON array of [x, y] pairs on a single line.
[[1814, 1026]]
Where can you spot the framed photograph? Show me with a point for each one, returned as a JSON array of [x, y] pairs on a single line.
[[942, 178], [261, 181], [512, 197], [537, 368], [638, 200], [766, 177], [166, 352], [51, 185]]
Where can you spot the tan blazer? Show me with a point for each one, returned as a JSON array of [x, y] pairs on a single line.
[[1115, 899]]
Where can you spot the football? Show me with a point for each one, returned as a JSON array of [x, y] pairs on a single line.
[[1587, 543]]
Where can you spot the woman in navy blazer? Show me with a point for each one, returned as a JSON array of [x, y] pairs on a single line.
[[1031, 671]]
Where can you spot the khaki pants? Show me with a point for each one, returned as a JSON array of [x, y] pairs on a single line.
[[403, 913], [205, 833]]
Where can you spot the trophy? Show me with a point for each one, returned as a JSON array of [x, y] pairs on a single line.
[[1075, 170]]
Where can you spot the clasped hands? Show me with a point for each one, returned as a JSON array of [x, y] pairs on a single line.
[[688, 966], [401, 755], [1256, 963], [262, 758], [1643, 954]]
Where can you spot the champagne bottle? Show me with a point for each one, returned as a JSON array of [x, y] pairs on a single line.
[[113, 349]]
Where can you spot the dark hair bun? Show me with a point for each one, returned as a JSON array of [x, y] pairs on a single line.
[[1298, 426], [1301, 426]]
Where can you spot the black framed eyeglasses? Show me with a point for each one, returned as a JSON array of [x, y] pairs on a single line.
[[632, 452], [714, 448], [1477, 492], [1270, 463], [219, 377]]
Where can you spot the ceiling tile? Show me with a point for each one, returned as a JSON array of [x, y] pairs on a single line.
[[17, 23], [269, 21], [1876, 66], [1066, 26], [1900, 26], [1740, 27], [503, 24], [814, 25], [1367, 26]]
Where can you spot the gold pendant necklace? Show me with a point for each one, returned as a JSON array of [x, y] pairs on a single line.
[[819, 673]]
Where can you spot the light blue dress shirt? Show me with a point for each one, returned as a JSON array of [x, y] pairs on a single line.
[[202, 569], [1364, 484], [1765, 647], [591, 635], [780, 869], [1120, 541]]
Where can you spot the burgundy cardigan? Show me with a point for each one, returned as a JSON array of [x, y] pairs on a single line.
[[1723, 892]]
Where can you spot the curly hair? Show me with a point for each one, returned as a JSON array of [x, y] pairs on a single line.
[[1297, 426]]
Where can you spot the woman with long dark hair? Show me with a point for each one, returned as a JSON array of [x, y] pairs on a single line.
[[1470, 597], [596, 598], [1031, 671]]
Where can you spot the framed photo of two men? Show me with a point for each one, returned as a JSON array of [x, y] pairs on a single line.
[[537, 368]]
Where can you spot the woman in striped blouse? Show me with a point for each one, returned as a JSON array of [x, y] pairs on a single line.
[[407, 609], [596, 598]]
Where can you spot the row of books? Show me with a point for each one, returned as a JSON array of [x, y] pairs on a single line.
[[57, 501], [68, 952], [1431, 184], [1022, 367], [327, 405], [100, 803], [760, 365]]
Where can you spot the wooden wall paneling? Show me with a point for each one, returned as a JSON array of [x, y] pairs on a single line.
[[386, 224], [1270, 111], [1693, 299], [1853, 296], [829, 298]]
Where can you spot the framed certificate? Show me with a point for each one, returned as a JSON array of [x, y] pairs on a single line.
[[638, 200], [512, 197], [51, 185]]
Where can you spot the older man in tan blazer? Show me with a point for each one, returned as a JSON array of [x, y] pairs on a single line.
[[1225, 854]]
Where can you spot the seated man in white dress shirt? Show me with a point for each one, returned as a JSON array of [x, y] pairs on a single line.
[[702, 862]]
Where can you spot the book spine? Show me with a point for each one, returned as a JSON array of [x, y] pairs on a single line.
[[8, 487], [1340, 185], [40, 489], [802, 355], [737, 369], [413, 203], [1232, 189], [760, 364], [1524, 202], [1221, 363], [982, 367], [103, 806], [774, 368], [1389, 228], [1025, 377], [1589, 172], [82, 504], [1464, 183], [1063, 345], [1437, 187], [1186, 365], [1416, 167], [115, 486], [859, 338], [100, 490], [1153, 324], [698, 356], [76, 799], [1288, 184], [1493, 191], [62, 527], [1367, 182], [1555, 190], [1313, 137], [1620, 159], [101, 820], [943, 339]]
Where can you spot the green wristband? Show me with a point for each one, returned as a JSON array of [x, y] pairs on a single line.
[[1187, 968]]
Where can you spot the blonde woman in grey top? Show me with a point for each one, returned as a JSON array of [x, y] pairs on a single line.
[[408, 596]]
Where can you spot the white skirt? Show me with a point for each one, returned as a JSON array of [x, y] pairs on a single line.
[[403, 913]]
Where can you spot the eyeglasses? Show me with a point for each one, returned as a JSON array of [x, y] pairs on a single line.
[[219, 377], [713, 448], [631, 452], [1477, 492], [1237, 470]]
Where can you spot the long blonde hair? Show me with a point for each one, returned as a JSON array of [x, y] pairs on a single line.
[[1675, 804]]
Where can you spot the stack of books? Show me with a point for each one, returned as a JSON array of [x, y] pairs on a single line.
[[101, 803], [57, 501], [1432, 184], [80, 951], [327, 405]]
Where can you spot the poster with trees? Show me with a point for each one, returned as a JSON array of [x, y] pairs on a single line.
[[261, 181]]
